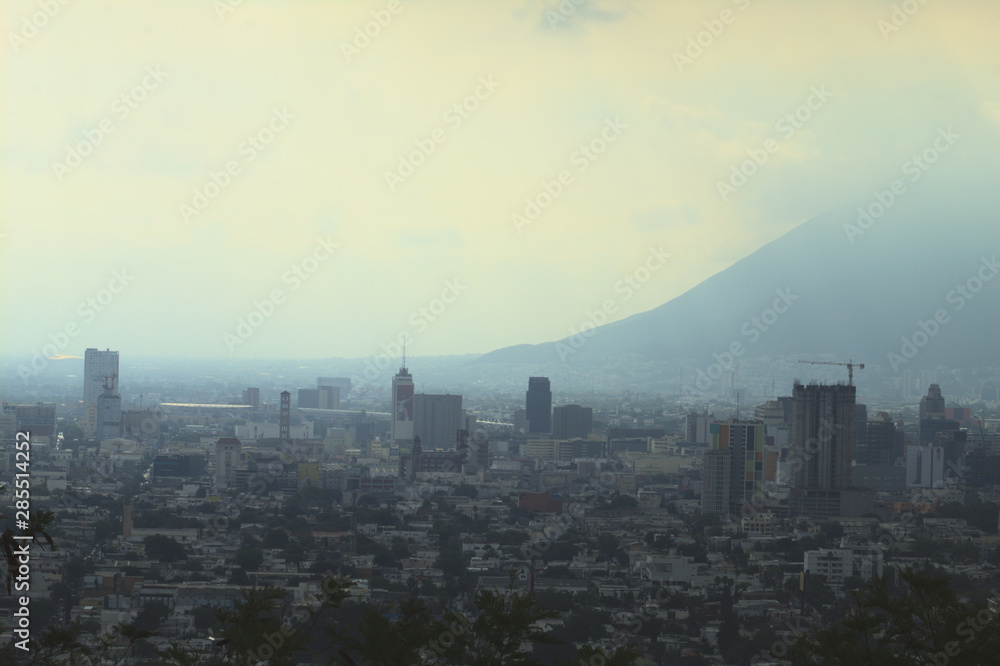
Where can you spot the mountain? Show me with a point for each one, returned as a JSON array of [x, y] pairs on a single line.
[[837, 285]]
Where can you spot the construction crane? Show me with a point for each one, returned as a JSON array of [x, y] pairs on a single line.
[[850, 368]]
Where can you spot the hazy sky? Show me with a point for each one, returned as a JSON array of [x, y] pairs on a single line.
[[114, 114]]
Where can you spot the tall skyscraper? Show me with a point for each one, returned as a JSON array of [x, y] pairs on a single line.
[[285, 417], [822, 440], [538, 405], [251, 396], [932, 404], [109, 413], [743, 444], [227, 457], [99, 368], [342, 383], [437, 420], [402, 407], [572, 421]]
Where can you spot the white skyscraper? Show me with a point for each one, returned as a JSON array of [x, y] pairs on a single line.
[[402, 407], [99, 368]]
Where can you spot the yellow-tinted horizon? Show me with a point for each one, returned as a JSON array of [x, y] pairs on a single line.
[[314, 179]]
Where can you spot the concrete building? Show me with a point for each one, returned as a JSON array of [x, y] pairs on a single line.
[[932, 404], [109, 413], [925, 466], [743, 444], [251, 396], [572, 421], [538, 405], [696, 427], [838, 564], [437, 418], [99, 368], [227, 459], [715, 482], [822, 439], [402, 408]]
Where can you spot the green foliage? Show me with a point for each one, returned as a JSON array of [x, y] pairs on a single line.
[[164, 548], [248, 558], [924, 622], [466, 490]]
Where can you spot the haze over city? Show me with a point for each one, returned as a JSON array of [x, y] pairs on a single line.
[[536, 332], [184, 88]]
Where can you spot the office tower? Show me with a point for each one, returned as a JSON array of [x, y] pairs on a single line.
[[437, 420], [925, 466], [743, 443], [227, 457], [572, 421], [251, 396], [308, 399], [822, 440], [932, 404], [328, 397], [99, 368], [109, 414], [402, 408], [38, 421], [538, 405], [875, 441], [696, 427], [715, 482], [342, 383], [285, 416]]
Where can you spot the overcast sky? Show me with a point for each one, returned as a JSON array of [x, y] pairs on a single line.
[[350, 163]]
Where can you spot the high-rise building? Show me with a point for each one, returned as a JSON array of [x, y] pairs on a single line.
[[328, 397], [322, 397], [109, 414], [227, 458], [538, 405], [251, 396], [875, 440], [285, 416], [715, 482], [743, 443], [402, 408], [342, 383], [932, 404], [99, 368], [822, 439], [38, 421], [925, 466], [572, 421], [437, 419], [696, 427], [308, 398]]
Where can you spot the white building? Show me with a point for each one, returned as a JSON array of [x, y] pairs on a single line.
[[925, 466], [98, 367]]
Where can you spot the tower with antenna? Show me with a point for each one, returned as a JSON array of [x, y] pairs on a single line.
[[402, 406]]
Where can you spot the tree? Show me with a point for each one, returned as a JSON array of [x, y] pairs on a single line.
[[412, 634], [204, 618], [923, 622], [294, 553], [152, 615], [248, 558], [275, 538], [164, 548], [507, 622], [466, 490]]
